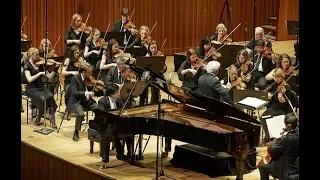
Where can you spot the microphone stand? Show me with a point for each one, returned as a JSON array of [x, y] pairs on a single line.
[[245, 34], [45, 130]]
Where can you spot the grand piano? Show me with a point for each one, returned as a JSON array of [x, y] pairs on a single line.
[[194, 119]]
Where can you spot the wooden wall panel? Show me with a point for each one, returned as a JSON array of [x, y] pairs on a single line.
[[288, 10], [182, 22], [59, 18]]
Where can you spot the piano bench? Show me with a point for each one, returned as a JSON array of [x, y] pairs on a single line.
[[93, 136]]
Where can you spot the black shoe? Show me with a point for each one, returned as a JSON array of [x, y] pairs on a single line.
[[75, 136], [122, 157]]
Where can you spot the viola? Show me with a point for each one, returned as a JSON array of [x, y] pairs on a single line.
[[97, 85]]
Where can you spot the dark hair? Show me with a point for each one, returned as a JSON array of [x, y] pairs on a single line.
[[149, 45], [109, 53], [290, 118], [125, 12], [204, 41], [281, 57], [111, 89], [73, 49], [261, 42]]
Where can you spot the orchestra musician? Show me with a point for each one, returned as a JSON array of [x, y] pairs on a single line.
[[204, 48], [234, 79], [245, 66], [221, 32], [43, 47], [35, 75], [73, 34], [258, 34], [285, 64], [111, 101], [278, 104], [262, 66], [80, 97], [284, 152], [190, 71], [109, 55], [210, 86], [92, 52], [70, 68], [125, 25], [143, 40]]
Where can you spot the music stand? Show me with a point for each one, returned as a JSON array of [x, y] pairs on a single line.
[[292, 27], [154, 64], [136, 51], [137, 91], [229, 50], [25, 45], [119, 36]]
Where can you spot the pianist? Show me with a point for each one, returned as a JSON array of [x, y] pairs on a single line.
[[210, 86], [80, 97]]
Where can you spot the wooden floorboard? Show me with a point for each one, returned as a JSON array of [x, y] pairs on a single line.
[[61, 145]]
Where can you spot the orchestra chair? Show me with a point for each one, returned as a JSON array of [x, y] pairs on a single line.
[[23, 93], [65, 113]]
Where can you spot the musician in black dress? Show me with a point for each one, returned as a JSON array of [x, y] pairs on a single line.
[[142, 41], [262, 66], [108, 58], [204, 48], [284, 152], [188, 73], [111, 101], [245, 66], [72, 36], [119, 26], [92, 52], [35, 76], [279, 102], [80, 97]]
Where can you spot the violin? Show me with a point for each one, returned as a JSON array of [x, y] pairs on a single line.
[[128, 74], [24, 37], [245, 67], [146, 41], [214, 53], [100, 42], [226, 41], [290, 71], [267, 159], [52, 53], [78, 62], [97, 85], [238, 83], [199, 63], [51, 64], [86, 29], [268, 53], [122, 53]]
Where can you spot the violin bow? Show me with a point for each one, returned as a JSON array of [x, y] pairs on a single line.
[[231, 32], [295, 114], [257, 62], [85, 24], [287, 79], [23, 22], [105, 34], [97, 80], [132, 13], [150, 31], [56, 43], [163, 44], [206, 57]]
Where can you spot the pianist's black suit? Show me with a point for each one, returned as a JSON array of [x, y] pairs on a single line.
[[78, 100], [286, 149], [107, 135]]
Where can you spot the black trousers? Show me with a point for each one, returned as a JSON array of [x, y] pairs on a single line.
[[265, 171], [90, 105], [259, 80]]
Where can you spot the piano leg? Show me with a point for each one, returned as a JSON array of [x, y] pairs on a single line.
[[241, 156]]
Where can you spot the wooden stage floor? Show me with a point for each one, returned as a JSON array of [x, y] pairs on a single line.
[[60, 145]]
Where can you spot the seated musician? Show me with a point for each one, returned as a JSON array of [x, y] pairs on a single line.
[[245, 66], [143, 40], [258, 34], [210, 86], [190, 71], [285, 64], [284, 152], [120, 26], [111, 100], [204, 48], [91, 51], [278, 100], [43, 47], [80, 97], [262, 66], [34, 73], [109, 55], [220, 34]]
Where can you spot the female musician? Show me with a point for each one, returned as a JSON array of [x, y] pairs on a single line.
[[108, 57], [143, 40], [245, 66], [43, 47], [285, 64], [35, 88], [234, 79], [72, 36], [204, 48], [278, 102], [125, 25], [92, 52], [189, 71], [221, 32]]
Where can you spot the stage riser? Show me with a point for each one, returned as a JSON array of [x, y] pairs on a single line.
[[36, 164]]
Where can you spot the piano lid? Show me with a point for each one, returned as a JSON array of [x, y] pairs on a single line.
[[210, 104]]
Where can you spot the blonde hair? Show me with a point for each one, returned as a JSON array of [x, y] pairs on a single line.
[[144, 28], [189, 53], [221, 26], [233, 68], [31, 51], [41, 45], [74, 18], [278, 72]]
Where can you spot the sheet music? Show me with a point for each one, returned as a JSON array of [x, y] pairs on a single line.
[[275, 126], [252, 102]]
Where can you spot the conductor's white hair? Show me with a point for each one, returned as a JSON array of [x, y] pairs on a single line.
[[120, 59], [213, 67]]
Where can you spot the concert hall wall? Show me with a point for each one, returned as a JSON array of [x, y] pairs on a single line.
[[182, 22]]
